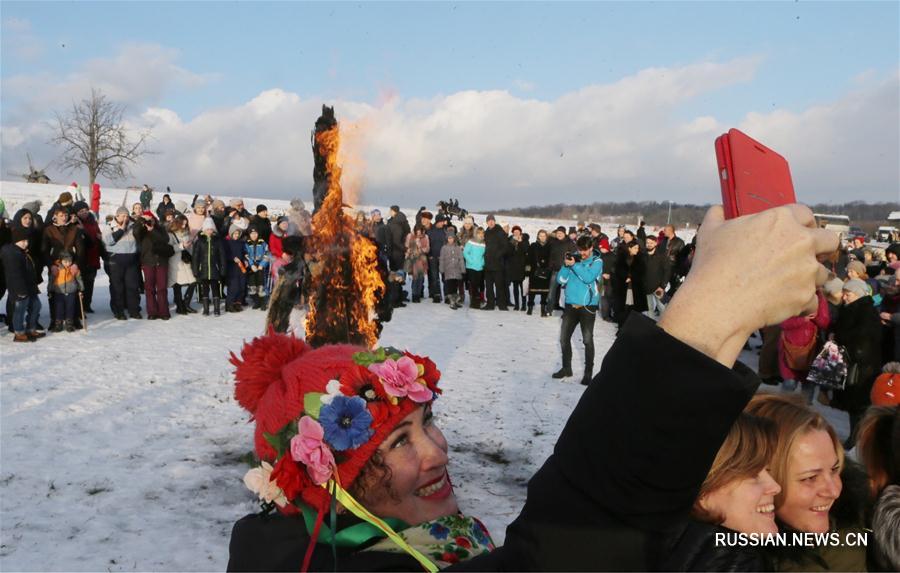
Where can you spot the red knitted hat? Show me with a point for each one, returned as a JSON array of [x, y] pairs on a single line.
[[321, 413]]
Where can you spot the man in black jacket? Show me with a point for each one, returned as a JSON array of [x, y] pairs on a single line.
[[437, 238], [399, 229], [496, 248], [656, 277], [560, 244], [262, 223]]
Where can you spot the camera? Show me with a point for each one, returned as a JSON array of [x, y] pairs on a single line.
[[574, 256]]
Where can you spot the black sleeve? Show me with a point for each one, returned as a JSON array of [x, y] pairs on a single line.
[[631, 458], [117, 234]]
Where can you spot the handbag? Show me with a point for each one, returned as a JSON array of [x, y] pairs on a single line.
[[186, 256], [830, 368], [798, 358]]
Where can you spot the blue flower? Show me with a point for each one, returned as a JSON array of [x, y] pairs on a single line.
[[438, 531], [346, 422]]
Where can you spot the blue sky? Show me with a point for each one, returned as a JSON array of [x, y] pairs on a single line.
[[805, 53]]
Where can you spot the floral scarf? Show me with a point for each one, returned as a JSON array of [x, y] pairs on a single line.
[[446, 540]]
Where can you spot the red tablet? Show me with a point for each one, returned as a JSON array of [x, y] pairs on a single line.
[[753, 177]]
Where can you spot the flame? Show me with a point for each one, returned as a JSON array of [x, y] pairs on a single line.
[[344, 291]]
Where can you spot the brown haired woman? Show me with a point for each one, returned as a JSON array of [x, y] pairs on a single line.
[[737, 497]]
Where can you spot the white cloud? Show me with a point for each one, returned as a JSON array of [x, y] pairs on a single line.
[[618, 141]]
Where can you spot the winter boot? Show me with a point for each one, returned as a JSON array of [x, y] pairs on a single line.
[[21, 337], [216, 302], [205, 303], [530, 310], [70, 326], [563, 372], [263, 303], [544, 311], [256, 303], [56, 326]]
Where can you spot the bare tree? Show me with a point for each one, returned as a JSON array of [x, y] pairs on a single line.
[[94, 137]]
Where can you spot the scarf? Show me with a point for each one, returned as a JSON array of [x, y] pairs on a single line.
[[446, 540]]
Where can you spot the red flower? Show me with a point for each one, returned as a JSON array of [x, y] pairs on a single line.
[[431, 374], [359, 381], [380, 413], [463, 542], [448, 557], [289, 477]]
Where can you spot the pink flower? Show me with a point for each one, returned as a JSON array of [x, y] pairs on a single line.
[[309, 448], [400, 378]]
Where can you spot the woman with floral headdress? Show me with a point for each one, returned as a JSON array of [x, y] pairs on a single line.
[[359, 473]]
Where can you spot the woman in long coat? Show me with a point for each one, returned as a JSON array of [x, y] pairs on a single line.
[[537, 265], [629, 275], [180, 272], [416, 266]]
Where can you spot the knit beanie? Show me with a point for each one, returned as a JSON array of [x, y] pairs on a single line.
[[236, 202], [208, 223], [857, 287], [233, 228], [122, 211], [320, 414], [260, 208], [833, 287], [857, 266]]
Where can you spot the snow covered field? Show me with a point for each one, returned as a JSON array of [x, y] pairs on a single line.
[[122, 448]]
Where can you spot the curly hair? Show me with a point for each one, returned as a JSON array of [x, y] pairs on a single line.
[[374, 482]]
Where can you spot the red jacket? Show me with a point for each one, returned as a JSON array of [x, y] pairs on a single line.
[[798, 331], [92, 242], [95, 198], [275, 245]]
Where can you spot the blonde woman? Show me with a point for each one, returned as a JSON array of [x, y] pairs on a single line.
[[809, 465]]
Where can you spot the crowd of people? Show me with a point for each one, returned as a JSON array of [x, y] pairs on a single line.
[[671, 464], [220, 253]]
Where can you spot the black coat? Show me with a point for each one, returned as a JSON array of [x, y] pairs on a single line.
[[35, 239], [399, 229], [858, 328], [636, 271], [517, 259], [381, 234], [20, 270], [656, 272], [558, 250], [539, 261], [600, 501], [263, 225], [496, 248], [152, 244], [693, 547], [208, 258]]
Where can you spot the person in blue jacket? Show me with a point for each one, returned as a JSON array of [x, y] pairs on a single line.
[[579, 276]]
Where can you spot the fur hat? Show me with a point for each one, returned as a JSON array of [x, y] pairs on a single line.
[[65, 198], [321, 413], [234, 228], [19, 233], [235, 202], [208, 223], [857, 287]]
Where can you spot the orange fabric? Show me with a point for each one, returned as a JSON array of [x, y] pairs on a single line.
[[886, 390]]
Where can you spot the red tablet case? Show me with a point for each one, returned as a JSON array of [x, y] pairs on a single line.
[[753, 177]]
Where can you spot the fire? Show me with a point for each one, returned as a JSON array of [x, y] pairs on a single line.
[[344, 292]]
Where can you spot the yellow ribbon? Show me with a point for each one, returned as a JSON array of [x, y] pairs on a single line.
[[361, 512]]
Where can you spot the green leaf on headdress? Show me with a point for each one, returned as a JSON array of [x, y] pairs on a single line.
[[275, 441], [312, 403]]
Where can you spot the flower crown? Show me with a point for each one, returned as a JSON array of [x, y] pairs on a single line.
[[338, 430]]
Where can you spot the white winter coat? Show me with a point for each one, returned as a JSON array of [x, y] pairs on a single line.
[[179, 271]]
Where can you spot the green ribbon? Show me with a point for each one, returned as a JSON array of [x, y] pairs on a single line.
[[352, 536]]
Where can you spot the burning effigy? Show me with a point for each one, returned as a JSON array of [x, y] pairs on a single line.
[[344, 283]]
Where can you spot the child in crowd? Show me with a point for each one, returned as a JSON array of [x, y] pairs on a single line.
[[473, 254], [235, 269], [452, 266], [208, 264], [66, 283], [256, 256]]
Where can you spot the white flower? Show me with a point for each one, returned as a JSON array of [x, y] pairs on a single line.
[[259, 481], [332, 389]]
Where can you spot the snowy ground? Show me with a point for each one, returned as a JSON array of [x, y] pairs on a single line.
[[122, 448]]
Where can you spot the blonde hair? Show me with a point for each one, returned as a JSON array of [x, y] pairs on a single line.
[[793, 419], [746, 451]]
